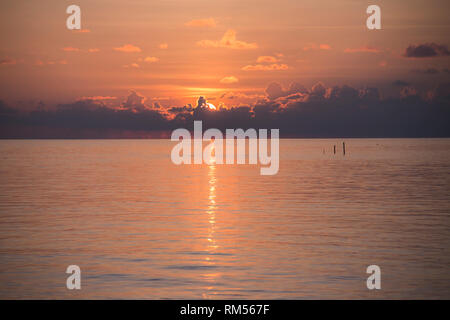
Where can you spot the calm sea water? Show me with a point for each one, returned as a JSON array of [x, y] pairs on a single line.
[[140, 227]]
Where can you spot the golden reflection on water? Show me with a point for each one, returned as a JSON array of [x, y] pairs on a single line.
[[211, 211], [212, 245]]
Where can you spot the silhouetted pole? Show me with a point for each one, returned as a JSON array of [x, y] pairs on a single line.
[[343, 147], [334, 149]]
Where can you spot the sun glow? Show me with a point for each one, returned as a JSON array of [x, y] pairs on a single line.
[[211, 106]]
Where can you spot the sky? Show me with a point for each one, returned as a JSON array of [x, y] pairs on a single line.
[[165, 54]]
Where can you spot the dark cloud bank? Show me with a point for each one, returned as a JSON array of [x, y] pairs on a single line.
[[427, 50], [297, 112]]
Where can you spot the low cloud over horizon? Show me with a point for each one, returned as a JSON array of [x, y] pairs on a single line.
[[320, 111]]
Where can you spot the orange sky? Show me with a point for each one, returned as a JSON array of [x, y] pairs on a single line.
[[172, 51]]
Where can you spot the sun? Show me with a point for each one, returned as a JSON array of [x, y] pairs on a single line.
[[211, 106]]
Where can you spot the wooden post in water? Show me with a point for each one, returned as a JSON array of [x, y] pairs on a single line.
[[343, 147], [334, 149]]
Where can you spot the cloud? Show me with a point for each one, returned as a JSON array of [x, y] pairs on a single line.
[[274, 90], [50, 62], [314, 46], [7, 61], [135, 101], [229, 80], [426, 50], [344, 93], [324, 47], [318, 89], [268, 64], [339, 111], [228, 41], [132, 65], [295, 87], [151, 59], [363, 49], [210, 22], [268, 59], [241, 96], [70, 49], [163, 46], [128, 48], [63, 62], [261, 67], [82, 119]]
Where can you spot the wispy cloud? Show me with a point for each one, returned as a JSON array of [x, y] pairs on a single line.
[[269, 67], [50, 62], [229, 80], [128, 48], [57, 62], [269, 59], [132, 65], [228, 41], [267, 63], [151, 59]]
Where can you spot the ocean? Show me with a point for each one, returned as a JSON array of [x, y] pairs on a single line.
[[141, 227]]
